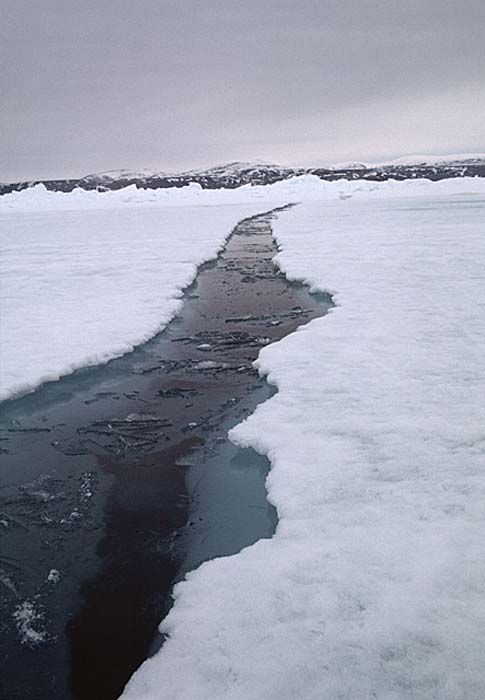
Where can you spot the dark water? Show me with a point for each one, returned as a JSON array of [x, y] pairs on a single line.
[[116, 480]]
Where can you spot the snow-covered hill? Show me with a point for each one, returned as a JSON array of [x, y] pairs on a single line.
[[455, 159], [236, 174]]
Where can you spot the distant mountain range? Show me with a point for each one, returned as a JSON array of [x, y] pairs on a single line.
[[232, 175]]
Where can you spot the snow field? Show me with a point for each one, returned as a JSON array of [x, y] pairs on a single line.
[[374, 583]]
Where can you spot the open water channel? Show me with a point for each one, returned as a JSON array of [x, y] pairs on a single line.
[[116, 480]]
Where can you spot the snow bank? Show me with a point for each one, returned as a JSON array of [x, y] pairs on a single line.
[[374, 583]]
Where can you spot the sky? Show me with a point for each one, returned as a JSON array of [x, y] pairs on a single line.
[[94, 85]]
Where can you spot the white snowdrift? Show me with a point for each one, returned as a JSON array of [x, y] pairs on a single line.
[[374, 584]]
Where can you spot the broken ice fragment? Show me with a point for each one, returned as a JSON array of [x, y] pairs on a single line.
[[53, 576]]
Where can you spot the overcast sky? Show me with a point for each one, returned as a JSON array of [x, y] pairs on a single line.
[[89, 85]]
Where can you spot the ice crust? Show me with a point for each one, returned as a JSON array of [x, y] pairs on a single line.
[[373, 586]]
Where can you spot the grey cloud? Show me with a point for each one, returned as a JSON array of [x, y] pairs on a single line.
[[95, 85]]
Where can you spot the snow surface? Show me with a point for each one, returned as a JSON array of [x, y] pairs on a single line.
[[374, 583]]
